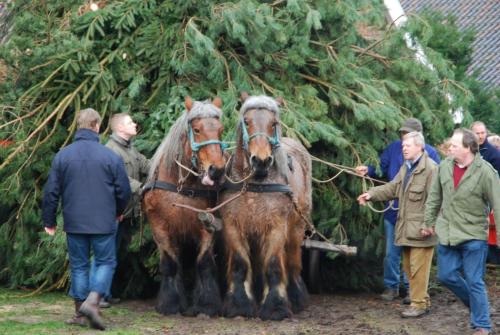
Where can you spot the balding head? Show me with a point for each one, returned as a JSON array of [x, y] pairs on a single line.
[[479, 128]]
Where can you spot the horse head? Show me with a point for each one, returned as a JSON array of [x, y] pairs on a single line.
[[204, 134], [260, 131]]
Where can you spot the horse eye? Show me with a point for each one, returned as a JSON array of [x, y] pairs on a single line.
[[196, 130], [246, 122]]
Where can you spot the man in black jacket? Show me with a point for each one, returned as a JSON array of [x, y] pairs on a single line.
[[491, 154], [92, 183], [487, 150]]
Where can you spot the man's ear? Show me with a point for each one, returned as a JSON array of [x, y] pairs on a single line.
[[243, 96], [217, 102], [188, 102]]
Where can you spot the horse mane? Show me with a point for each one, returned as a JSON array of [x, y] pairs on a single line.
[[265, 102], [172, 146]]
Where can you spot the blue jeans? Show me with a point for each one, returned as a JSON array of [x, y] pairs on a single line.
[[118, 234], [461, 269], [392, 260], [103, 247]]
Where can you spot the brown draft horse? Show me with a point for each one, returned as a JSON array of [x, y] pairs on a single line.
[[264, 228], [193, 141]]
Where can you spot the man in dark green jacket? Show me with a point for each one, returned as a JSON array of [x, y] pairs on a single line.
[[123, 130], [137, 166], [411, 186], [462, 193]]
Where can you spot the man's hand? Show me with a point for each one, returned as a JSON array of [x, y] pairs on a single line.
[[362, 170], [363, 198], [50, 230], [119, 218], [427, 231]]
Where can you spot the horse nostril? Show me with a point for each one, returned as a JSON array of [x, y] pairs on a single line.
[[214, 172], [269, 161]]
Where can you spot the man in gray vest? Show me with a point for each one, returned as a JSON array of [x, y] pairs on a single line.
[[137, 166]]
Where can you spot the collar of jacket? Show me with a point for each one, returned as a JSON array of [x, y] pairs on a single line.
[[86, 135], [450, 162], [486, 146], [121, 141], [421, 164]]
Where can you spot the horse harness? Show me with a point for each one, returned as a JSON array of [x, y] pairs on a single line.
[[185, 191], [212, 194]]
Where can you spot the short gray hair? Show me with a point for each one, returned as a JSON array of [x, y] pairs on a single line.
[[478, 123], [417, 137], [88, 118]]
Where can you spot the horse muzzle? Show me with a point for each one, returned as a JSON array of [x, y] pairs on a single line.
[[261, 166], [212, 175]]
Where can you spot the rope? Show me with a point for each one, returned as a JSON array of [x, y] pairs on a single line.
[[229, 178], [352, 171], [187, 169], [211, 210]]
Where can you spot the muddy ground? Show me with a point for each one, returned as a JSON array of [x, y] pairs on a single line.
[[341, 313]]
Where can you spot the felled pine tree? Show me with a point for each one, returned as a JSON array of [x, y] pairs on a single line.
[[345, 74]]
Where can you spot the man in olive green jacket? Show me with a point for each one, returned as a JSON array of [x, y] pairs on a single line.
[[464, 190], [411, 186], [137, 166]]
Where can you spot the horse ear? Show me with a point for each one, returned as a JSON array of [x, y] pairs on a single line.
[[279, 101], [188, 102], [217, 102], [243, 96]]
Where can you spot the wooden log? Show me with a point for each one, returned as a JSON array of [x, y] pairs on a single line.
[[328, 246]]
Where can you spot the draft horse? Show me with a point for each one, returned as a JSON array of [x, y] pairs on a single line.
[[194, 142], [264, 228]]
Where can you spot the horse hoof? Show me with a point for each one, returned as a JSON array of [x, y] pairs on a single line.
[[167, 309], [231, 309], [190, 312], [297, 295], [277, 314], [210, 311]]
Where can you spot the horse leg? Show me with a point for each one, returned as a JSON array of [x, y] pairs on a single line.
[[171, 298], [275, 304], [239, 298], [297, 291], [206, 297]]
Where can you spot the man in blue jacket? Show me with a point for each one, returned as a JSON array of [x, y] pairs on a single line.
[[391, 161], [491, 154], [487, 150], [92, 183]]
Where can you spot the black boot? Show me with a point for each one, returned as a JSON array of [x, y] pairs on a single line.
[[78, 319], [90, 308]]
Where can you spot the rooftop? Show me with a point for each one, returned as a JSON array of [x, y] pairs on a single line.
[[481, 15]]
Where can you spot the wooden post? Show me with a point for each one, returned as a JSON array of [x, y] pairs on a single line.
[[328, 246]]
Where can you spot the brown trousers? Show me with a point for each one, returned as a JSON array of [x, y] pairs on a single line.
[[417, 265]]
